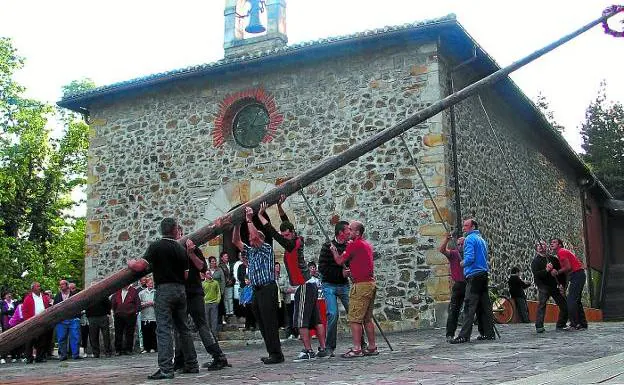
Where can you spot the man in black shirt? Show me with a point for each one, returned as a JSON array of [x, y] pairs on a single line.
[[516, 292], [549, 285], [335, 282], [98, 315], [195, 307], [170, 266]]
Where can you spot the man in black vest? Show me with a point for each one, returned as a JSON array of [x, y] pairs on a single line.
[[170, 267], [548, 284]]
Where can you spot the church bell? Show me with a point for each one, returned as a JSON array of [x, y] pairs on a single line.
[[255, 26]]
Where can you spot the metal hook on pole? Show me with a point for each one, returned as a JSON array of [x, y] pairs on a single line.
[[318, 222]]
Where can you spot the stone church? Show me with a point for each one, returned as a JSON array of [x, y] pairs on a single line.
[[195, 142]]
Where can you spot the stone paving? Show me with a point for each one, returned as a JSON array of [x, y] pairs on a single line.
[[419, 357]]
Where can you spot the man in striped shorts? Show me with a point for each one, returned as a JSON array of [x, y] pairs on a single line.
[[305, 312]]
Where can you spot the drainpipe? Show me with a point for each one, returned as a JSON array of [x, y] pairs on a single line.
[[606, 255], [586, 242], [451, 85]]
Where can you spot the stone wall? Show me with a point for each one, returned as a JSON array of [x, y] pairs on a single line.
[[547, 187], [152, 156]]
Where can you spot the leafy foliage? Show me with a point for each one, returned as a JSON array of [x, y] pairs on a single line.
[[544, 106], [603, 141], [39, 168]]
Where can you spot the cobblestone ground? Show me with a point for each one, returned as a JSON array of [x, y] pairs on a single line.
[[419, 357]]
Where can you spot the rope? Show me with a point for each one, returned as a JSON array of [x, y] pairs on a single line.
[[506, 163]]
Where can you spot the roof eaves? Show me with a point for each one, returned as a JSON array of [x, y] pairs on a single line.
[[78, 101], [562, 144]]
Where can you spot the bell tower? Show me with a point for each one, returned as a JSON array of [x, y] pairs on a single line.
[[254, 25]]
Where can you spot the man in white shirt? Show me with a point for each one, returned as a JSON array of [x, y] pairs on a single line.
[[35, 303]]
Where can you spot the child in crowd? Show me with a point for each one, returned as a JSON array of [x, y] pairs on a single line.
[[212, 298], [314, 275], [246, 299], [516, 291]]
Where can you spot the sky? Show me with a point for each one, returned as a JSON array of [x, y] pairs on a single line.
[[117, 40]]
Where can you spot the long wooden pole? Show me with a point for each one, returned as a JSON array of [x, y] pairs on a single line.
[[39, 324]]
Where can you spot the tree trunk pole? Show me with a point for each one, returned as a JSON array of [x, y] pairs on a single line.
[[39, 324]]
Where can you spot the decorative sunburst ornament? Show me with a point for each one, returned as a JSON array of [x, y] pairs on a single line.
[[247, 117], [612, 10]]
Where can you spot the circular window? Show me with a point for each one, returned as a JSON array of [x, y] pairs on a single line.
[[250, 123]]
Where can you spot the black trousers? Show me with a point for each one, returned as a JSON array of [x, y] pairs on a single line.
[[265, 309], [250, 319], [478, 302], [195, 307], [38, 344], [148, 330], [523, 309], [96, 325], [124, 332], [458, 293], [543, 295], [84, 337]]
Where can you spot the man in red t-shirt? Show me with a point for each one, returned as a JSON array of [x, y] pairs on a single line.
[[458, 292], [575, 270], [359, 255]]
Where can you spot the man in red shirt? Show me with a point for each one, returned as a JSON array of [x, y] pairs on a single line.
[[458, 292], [575, 270], [35, 303], [359, 255]]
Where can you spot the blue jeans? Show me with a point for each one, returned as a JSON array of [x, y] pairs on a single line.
[[332, 292], [64, 329]]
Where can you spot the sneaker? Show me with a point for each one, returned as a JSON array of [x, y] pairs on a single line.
[[459, 340], [449, 338], [305, 355], [144, 351], [2, 361], [486, 338], [160, 375], [542, 330], [14, 360], [560, 329], [217, 364], [580, 327], [322, 353], [331, 353]]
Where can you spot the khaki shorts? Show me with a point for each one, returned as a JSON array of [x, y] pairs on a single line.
[[361, 302]]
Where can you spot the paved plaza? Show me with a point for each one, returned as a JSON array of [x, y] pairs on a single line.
[[419, 357]]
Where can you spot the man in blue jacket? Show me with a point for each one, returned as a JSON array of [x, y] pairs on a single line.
[[476, 274]]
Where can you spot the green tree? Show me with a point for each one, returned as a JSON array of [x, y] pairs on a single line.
[[603, 141], [544, 106], [39, 169]]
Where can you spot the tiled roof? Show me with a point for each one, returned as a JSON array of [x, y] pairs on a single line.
[[73, 101]]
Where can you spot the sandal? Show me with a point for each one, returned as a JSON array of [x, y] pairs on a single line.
[[371, 352], [459, 340], [353, 354]]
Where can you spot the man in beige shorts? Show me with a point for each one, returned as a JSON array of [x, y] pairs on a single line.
[[359, 256]]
